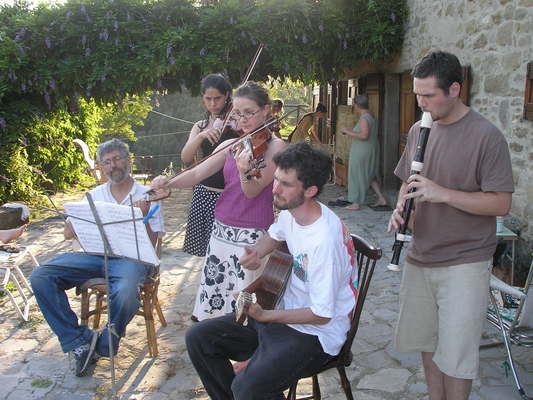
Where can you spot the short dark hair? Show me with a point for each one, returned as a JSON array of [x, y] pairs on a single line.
[[312, 166], [277, 103], [321, 108], [445, 67], [361, 101]]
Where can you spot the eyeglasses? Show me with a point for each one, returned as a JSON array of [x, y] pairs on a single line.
[[116, 159], [247, 115]]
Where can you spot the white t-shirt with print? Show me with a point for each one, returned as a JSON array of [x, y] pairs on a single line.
[[322, 275]]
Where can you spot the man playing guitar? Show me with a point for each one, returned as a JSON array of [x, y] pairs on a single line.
[[310, 324]]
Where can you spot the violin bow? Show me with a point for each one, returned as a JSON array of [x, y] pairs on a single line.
[[244, 80], [240, 139]]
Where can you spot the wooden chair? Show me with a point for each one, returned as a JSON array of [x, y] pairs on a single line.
[[149, 303], [366, 257]]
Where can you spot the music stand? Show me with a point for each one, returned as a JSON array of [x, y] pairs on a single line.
[[108, 252]]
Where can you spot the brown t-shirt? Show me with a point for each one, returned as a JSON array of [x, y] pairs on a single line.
[[469, 155]]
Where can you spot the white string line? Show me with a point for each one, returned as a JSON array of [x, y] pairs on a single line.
[[171, 117]]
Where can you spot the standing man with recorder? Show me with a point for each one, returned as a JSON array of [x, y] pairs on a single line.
[[465, 183]]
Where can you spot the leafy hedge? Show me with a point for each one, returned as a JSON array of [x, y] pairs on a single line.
[[103, 50]]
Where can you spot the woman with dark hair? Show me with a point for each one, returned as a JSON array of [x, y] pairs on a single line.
[[276, 113], [364, 157], [205, 136], [244, 209]]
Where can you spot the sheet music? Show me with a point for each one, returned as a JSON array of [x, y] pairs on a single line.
[[121, 236]]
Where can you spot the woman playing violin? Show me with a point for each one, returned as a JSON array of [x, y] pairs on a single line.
[[244, 209], [203, 139]]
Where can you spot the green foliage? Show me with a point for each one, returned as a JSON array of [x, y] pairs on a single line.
[[72, 70]]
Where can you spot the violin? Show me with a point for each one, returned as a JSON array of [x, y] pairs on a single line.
[[257, 144]]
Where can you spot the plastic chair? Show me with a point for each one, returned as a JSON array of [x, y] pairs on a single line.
[[366, 257], [514, 323], [149, 303]]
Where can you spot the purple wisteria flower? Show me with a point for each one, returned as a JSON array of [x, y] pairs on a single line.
[[20, 35], [61, 27], [83, 40], [304, 39], [115, 25], [168, 51], [21, 50], [22, 87], [47, 42], [52, 84], [103, 78], [3, 123], [87, 52], [104, 35], [82, 9], [68, 14], [202, 52], [117, 42], [128, 16], [171, 60], [321, 28], [393, 17]]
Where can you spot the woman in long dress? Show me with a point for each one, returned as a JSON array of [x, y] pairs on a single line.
[[364, 157], [243, 211]]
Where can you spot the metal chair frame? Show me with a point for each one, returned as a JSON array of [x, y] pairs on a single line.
[[518, 330], [366, 256]]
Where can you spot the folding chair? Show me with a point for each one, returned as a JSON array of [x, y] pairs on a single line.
[[514, 323], [366, 257], [14, 283]]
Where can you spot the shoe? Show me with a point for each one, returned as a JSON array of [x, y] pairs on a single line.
[[84, 355]]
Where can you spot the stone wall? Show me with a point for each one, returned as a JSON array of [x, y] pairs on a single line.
[[494, 37]]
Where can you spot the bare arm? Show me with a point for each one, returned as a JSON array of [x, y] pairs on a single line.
[[251, 188], [477, 203], [363, 128], [197, 174], [251, 258], [196, 137], [68, 231], [296, 316]]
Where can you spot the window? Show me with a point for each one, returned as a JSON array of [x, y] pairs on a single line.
[[528, 95]]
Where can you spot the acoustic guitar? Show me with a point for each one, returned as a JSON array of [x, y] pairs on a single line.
[[268, 289]]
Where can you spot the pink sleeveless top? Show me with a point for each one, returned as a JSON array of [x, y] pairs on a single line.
[[235, 209]]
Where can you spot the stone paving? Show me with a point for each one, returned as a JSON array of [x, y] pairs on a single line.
[[32, 365]]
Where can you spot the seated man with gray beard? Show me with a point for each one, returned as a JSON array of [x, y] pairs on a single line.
[[50, 281]]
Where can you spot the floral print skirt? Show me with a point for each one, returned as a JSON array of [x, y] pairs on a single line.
[[222, 274]]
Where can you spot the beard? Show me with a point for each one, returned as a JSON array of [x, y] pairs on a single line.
[[117, 175], [289, 205]]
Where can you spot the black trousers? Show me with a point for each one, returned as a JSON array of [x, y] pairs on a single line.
[[278, 355]]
